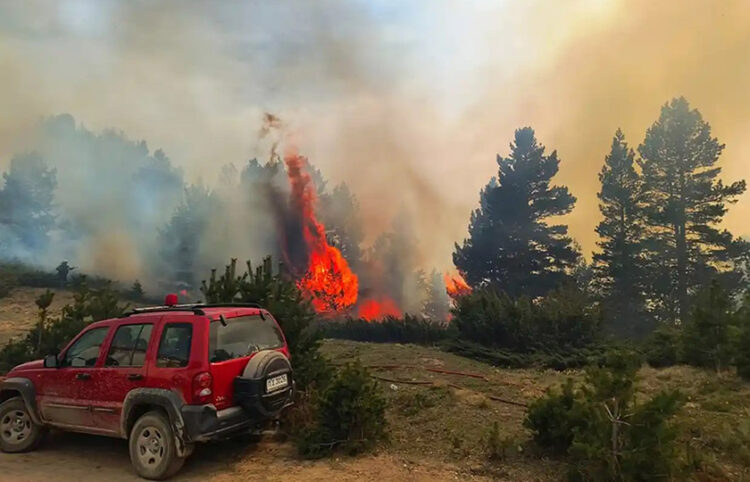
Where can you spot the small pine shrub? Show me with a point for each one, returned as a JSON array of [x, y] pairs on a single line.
[[409, 329], [606, 433], [497, 446], [350, 416], [706, 333], [562, 321], [662, 347], [554, 418]]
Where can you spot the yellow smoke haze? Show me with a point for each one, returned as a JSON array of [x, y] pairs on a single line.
[[407, 102]]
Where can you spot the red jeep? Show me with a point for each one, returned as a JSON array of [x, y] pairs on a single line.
[[164, 378]]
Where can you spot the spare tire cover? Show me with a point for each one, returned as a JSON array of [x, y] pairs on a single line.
[[266, 362]]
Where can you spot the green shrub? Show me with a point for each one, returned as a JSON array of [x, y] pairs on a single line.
[[564, 319], [556, 358], [496, 446], [554, 418], [662, 347], [607, 433], [350, 416], [409, 329], [706, 338]]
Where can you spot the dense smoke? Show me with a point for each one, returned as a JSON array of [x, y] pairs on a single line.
[[406, 103]]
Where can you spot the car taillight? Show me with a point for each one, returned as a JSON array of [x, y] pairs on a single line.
[[202, 387]]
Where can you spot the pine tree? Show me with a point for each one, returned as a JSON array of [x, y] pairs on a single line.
[[180, 239], [27, 206], [684, 203], [619, 262], [510, 243]]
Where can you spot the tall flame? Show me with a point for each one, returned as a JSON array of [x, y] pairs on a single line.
[[455, 285], [328, 280], [373, 309]]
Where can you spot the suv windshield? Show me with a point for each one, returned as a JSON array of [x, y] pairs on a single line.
[[242, 336]]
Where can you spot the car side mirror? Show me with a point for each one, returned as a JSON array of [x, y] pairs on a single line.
[[50, 361]]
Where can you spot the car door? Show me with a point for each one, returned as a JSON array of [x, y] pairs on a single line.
[[66, 392], [125, 368]]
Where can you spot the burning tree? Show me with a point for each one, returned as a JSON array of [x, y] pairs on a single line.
[[326, 278]]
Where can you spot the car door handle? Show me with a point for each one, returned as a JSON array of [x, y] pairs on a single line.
[[83, 376], [135, 376]]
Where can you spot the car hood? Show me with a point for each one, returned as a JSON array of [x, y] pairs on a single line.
[[32, 365]]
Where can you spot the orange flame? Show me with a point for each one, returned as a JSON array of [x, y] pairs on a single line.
[[455, 285], [378, 309], [328, 280]]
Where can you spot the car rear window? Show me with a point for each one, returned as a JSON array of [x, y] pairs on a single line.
[[242, 336]]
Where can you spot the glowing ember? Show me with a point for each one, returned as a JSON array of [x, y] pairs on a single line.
[[455, 285], [378, 309], [328, 280]]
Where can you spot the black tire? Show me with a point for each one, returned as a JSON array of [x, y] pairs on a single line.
[[153, 452], [18, 432]]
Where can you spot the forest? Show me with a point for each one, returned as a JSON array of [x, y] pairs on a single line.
[[667, 284]]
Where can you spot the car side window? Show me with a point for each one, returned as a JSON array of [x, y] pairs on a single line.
[[174, 346], [85, 351], [128, 348]]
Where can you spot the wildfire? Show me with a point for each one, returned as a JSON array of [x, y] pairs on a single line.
[[378, 309], [328, 280], [455, 285]]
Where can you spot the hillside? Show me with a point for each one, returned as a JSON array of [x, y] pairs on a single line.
[[441, 408], [18, 312]]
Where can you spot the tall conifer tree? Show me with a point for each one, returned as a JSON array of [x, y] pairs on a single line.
[[510, 242], [685, 202], [619, 261]]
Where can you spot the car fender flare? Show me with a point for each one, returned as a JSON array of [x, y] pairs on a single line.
[[25, 388], [170, 401]]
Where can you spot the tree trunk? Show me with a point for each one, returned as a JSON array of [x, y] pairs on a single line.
[[682, 261]]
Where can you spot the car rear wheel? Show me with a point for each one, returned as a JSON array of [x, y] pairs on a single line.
[[153, 452], [18, 432]]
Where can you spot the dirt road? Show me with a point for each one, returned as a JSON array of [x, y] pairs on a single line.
[[73, 457]]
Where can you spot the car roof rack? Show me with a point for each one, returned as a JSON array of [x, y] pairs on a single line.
[[196, 308]]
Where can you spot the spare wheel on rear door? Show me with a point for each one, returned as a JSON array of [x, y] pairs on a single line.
[[266, 385]]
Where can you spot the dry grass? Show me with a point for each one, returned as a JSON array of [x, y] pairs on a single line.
[[445, 423], [18, 312], [450, 420]]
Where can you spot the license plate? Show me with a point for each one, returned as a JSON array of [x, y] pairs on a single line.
[[277, 383]]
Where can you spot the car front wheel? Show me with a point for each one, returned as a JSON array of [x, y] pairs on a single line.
[[152, 447], [18, 432]]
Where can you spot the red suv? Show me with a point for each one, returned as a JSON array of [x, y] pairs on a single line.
[[164, 378]]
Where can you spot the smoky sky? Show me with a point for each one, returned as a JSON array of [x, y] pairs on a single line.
[[407, 102]]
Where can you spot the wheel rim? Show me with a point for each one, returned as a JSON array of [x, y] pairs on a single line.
[[150, 447], [15, 427]]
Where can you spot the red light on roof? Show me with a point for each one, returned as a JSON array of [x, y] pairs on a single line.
[[171, 300]]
